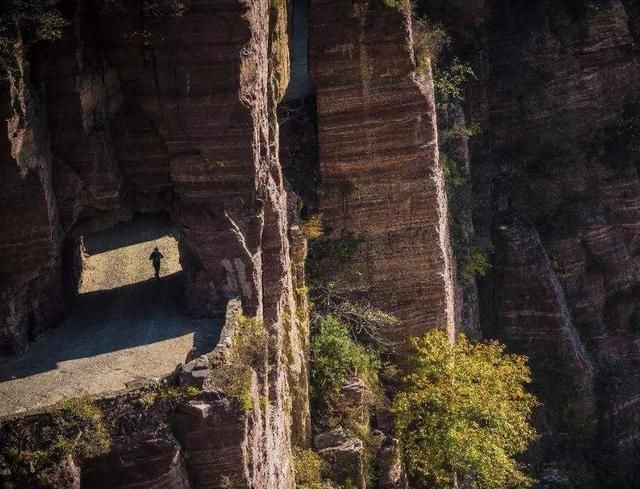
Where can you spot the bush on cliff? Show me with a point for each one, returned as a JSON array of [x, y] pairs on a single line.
[[307, 467], [33, 449], [313, 228], [464, 414], [25, 21], [429, 40], [246, 355], [336, 357]]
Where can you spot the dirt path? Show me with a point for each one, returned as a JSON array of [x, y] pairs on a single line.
[[125, 328]]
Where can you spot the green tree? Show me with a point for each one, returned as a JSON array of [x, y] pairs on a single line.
[[464, 414], [27, 21], [23, 22]]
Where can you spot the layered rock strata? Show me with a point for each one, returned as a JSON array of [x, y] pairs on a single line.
[[382, 190], [556, 190], [134, 112]]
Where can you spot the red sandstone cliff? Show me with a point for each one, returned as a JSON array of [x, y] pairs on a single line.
[[381, 181], [130, 113]]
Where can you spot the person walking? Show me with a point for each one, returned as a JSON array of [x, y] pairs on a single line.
[[155, 258]]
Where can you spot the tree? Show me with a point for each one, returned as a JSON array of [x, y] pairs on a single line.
[[464, 414], [27, 21]]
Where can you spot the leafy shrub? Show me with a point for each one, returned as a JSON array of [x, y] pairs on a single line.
[[463, 414], [27, 21], [449, 81], [336, 357], [476, 264], [313, 228], [307, 467], [36, 448], [429, 40], [369, 325], [247, 354], [453, 177], [400, 5]]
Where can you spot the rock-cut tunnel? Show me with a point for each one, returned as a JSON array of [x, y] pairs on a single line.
[[125, 327]]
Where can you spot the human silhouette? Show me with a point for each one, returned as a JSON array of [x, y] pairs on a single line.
[[155, 258]]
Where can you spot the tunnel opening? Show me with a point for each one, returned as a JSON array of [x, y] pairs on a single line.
[[124, 328], [120, 256]]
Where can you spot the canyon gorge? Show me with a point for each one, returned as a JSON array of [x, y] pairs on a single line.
[[508, 212]]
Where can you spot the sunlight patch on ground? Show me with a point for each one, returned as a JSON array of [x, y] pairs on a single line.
[[124, 329], [128, 265]]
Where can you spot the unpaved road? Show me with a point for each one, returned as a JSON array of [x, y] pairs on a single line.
[[125, 328]]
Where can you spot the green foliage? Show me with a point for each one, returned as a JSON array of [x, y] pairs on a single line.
[[367, 324], [336, 357], [312, 228], [463, 414], [27, 21], [429, 40], [472, 254], [453, 177], [456, 132], [449, 81], [37, 447], [400, 5], [476, 263], [246, 355], [307, 467]]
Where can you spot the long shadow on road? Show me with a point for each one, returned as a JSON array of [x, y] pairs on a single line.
[[123, 318]]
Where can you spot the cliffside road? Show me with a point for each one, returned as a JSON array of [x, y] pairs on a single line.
[[126, 327]]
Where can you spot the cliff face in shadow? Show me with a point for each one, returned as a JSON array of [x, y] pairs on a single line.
[[135, 111], [556, 190]]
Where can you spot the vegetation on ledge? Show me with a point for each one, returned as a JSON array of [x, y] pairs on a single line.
[[246, 356], [36, 447]]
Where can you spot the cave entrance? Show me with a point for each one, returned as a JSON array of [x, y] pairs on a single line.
[[125, 327]]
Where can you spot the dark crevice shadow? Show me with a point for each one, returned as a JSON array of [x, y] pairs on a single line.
[[142, 228], [110, 320]]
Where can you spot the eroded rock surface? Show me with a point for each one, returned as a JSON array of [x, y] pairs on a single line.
[[559, 199], [382, 184]]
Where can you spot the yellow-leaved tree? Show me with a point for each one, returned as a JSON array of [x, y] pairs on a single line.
[[463, 414]]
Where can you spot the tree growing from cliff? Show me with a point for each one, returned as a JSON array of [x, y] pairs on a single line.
[[464, 414], [25, 21]]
